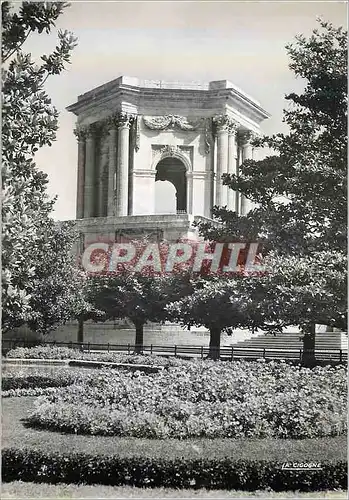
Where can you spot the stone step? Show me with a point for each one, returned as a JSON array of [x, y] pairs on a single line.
[[326, 340]]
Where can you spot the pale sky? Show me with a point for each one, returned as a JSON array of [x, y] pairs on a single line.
[[243, 42]]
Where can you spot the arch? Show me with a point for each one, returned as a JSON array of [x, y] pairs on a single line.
[[171, 152], [173, 170]]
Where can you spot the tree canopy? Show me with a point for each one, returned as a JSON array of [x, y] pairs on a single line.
[[42, 285], [300, 192]]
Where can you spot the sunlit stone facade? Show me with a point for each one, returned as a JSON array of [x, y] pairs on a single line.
[[135, 133]]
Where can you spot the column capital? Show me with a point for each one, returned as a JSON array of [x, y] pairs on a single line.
[[224, 123], [80, 132], [245, 137], [233, 127], [121, 120]]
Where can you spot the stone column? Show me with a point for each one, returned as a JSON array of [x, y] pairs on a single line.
[[80, 133], [89, 191], [124, 124], [232, 196], [247, 154], [189, 192], [222, 124], [210, 167], [112, 169], [102, 171]]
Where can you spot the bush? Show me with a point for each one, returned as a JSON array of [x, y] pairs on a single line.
[[30, 381], [203, 399], [50, 352], [32, 391], [61, 378], [228, 473]]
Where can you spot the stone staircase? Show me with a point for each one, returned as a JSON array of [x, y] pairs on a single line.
[[292, 340]]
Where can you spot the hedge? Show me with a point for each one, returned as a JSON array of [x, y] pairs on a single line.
[[228, 473]]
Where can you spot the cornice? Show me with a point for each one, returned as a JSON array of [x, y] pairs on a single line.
[[138, 96]]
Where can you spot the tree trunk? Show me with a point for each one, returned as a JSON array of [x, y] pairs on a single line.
[[139, 338], [80, 330], [308, 357], [215, 343]]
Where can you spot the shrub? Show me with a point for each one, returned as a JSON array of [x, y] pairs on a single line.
[[32, 391], [30, 381], [202, 399]]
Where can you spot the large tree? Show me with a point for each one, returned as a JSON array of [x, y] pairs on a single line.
[[301, 190], [139, 298], [42, 285], [136, 286], [217, 304]]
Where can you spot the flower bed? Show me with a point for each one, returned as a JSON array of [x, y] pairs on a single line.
[[202, 399]]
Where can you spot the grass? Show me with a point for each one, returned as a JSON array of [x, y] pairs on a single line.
[[16, 435], [18, 489]]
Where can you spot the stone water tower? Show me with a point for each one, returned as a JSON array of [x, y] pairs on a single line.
[[133, 134]]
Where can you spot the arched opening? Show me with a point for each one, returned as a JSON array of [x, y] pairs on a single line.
[[174, 171]]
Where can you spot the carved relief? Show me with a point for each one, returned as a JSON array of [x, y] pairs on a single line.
[[170, 150], [126, 235], [172, 121], [164, 151]]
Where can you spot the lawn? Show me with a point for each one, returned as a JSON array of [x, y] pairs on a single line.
[[18, 489], [16, 435], [61, 442]]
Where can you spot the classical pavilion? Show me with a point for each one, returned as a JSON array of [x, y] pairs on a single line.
[[134, 134]]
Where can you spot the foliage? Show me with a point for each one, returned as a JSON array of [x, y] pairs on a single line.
[[227, 473], [301, 193], [138, 296], [22, 379], [313, 286], [203, 399], [219, 304], [28, 391], [41, 283]]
